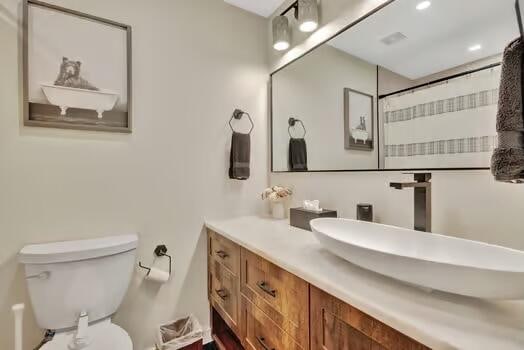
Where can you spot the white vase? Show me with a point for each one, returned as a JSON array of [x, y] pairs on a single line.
[[278, 210]]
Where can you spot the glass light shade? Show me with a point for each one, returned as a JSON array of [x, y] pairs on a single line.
[[475, 47], [281, 45], [307, 15], [281, 33]]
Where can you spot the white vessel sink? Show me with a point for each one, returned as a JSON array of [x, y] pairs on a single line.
[[428, 260]]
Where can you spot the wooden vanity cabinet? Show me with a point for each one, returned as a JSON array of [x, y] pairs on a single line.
[[267, 308]]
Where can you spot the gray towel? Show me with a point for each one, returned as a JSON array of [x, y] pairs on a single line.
[[507, 163], [240, 156], [297, 155]]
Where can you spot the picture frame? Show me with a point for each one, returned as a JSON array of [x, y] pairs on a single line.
[[359, 122], [77, 70]]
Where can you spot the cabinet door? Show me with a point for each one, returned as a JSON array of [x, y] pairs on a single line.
[[225, 252], [261, 333], [282, 296], [331, 328], [224, 294], [336, 325]]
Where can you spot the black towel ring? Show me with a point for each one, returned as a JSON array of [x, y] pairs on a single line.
[[237, 114], [519, 17], [292, 122]]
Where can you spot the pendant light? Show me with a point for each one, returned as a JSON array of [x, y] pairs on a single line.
[[281, 33], [307, 15]]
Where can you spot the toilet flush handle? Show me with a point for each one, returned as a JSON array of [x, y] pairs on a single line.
[[81, 338]]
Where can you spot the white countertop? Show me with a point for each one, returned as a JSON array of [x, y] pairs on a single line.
[[438, 320]]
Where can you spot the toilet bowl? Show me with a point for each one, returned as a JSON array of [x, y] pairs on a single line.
[[103, 335], [76, 286]]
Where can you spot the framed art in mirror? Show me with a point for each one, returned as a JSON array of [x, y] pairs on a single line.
[[358, 120]]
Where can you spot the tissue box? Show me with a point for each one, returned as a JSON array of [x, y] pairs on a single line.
[[300, 217]]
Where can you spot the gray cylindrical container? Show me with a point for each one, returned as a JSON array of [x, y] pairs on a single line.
[[365, 212]]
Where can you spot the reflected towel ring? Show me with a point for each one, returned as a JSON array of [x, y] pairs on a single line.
[[237, 114], [292, 122]]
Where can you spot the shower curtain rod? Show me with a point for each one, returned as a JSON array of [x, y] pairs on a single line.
[[410, 89]]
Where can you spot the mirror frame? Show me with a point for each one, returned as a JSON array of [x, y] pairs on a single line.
[[378, 169]]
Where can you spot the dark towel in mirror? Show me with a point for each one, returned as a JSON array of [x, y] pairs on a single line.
[[297, 155], [239, 157], [507, 163]]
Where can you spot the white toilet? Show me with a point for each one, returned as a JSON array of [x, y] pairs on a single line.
[[75, 287]]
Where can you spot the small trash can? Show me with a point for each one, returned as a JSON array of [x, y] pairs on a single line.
[[185, 333]]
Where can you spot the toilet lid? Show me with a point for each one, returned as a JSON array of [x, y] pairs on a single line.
[[102, 336]]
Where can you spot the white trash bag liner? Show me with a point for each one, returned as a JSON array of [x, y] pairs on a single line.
[[178, 334]]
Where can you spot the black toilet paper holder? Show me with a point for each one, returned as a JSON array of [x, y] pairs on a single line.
[[160, 250]]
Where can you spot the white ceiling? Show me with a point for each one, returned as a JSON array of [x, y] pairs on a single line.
[[264, 8], [437, 38]]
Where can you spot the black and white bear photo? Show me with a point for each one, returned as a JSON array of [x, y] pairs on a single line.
[[77, 70], [69, 76]]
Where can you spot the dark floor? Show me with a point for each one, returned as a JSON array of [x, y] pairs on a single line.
[[210, 346]]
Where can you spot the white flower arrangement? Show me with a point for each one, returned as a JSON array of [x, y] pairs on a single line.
[[276, 193]]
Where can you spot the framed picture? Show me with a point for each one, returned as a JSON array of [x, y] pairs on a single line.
[[358, 120], [77, 70]]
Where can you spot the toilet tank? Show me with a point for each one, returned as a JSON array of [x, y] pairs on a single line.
[[65, 279]]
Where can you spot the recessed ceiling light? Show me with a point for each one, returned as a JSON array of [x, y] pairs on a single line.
[[423, 5], [475, 48]]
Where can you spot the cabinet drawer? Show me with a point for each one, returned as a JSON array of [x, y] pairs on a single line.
[[282, 296], [336, 325], [224, 292], [261, 333], [225, 252]]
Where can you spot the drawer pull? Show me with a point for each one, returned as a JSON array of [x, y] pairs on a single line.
[[222, 293], [266, 289], [262, 342], [221, 254]]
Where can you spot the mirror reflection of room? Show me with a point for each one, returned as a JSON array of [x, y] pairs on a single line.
[[312, 89], [399, 90]]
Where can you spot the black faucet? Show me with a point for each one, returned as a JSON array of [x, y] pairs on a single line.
[[422, 196]]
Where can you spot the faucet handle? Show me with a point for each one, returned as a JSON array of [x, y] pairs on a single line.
[[81, 338], [422, 177]]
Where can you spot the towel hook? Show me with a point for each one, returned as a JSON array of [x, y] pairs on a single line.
[[292, 122], [519, 17], [237, 114], [160, 250]]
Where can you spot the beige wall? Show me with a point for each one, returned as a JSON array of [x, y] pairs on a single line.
[[466, 204], [194, 62]]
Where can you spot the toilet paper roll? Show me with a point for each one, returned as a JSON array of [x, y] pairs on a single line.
[[157, 275]]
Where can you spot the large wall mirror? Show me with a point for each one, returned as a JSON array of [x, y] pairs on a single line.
[[403, 89]]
